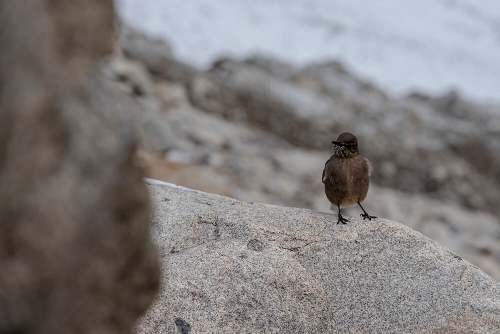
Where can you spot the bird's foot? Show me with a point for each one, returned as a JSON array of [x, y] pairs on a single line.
[[367, 216], [342, 220]]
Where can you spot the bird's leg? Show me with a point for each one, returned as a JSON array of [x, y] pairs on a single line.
[[365, 215], [341, 219]]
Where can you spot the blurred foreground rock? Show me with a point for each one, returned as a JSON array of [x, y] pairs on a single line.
[[234, 267], [75, 253]]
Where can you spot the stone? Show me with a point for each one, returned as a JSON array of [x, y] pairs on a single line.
[[234, 267], [132, 74], [241, 91], [157, 132], [75, 252], [171, 95], [155, 54]]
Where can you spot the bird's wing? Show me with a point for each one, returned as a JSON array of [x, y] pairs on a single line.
[[370, 167], [323, 178]]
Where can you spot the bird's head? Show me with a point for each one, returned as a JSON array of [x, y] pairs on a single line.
[[346, 145]]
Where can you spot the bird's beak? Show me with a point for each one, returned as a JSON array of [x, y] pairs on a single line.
[[336, 142]]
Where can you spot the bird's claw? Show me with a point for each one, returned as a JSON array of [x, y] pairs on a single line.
[[342, 220], [367, 216]]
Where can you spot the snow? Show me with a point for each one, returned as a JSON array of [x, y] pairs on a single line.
[[402, 45]]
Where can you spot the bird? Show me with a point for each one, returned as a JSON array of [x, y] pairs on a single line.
[[347, 175]]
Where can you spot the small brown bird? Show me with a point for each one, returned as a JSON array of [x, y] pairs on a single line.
[[347, 175]]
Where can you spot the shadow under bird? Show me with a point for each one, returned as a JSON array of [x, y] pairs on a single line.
[[347, 175]]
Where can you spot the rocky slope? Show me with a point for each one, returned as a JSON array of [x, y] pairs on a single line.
[[234, 267], [386, 42], [260, 130]]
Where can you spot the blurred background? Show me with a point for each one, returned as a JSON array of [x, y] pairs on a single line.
[[242, 99]]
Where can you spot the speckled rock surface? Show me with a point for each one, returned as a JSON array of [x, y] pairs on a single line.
[[233, 267]]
